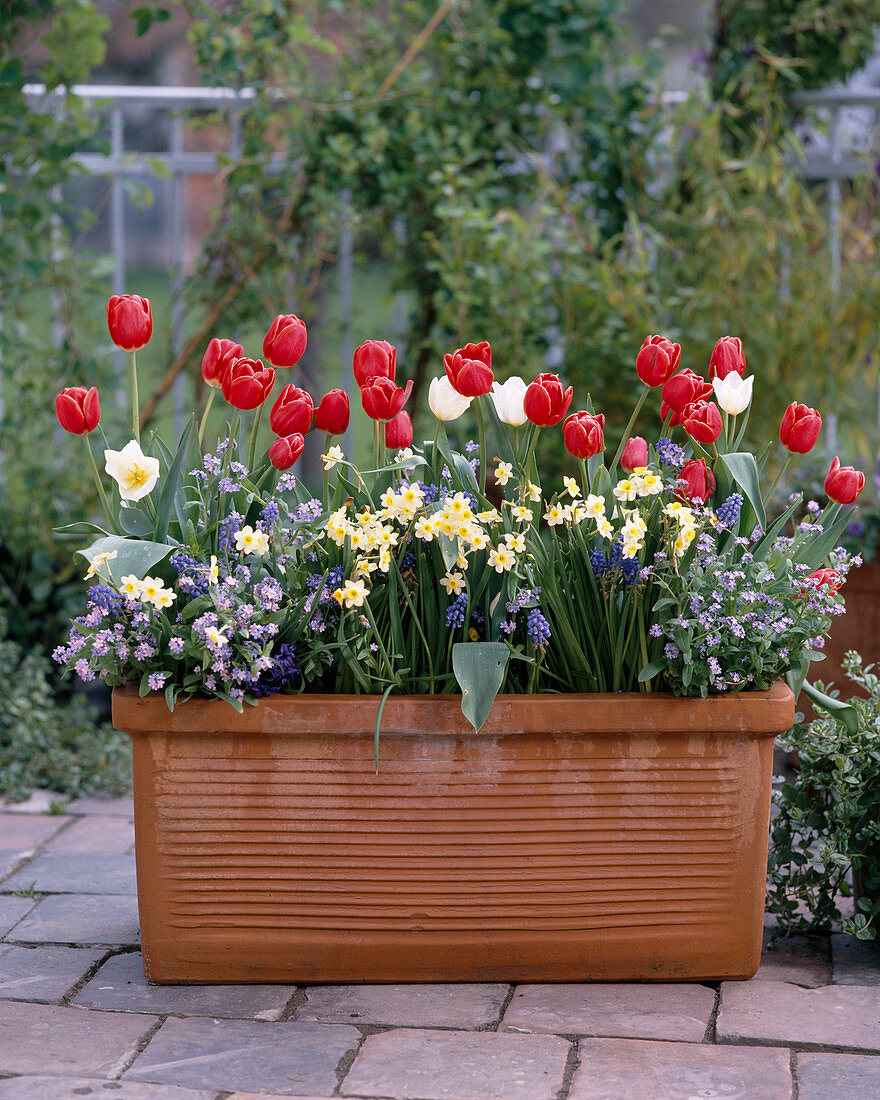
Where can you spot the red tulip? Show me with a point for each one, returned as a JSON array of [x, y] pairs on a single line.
[[469, 369], [702, 421], [374, 359], [799, 428], [657, 360], [285, 342], [78, 409], [382, 399], [247, 383], [699, 482], [583, 434], [130, 321], [398, 432], [668, 411], [284, 452], [829, 577], [545, 402], [684, 389], [292, 412], [217, 358], [727, 356], [635, 453], [843, 483], [333, 414]]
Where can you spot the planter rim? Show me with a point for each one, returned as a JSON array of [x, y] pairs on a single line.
[[757, 712]]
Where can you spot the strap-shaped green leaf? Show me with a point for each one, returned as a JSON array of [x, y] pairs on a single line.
[[173, 481], [479, 668], [743, 470]]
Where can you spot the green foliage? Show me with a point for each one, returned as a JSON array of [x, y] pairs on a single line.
[[45, 742], [828, 822]]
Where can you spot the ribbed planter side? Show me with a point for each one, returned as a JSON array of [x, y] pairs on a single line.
[[576, 837]]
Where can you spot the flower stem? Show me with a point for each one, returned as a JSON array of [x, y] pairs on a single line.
[[778, 477], [325, 497], [102, 495], [481, 439], [255, 430], [628, 429], [204, 422], [135, 404]]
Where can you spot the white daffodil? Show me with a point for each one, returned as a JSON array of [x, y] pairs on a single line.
[[97, 561], [733, 393], [333, 455], [134, 472], [503, 472], [508, 398], [445, 402]]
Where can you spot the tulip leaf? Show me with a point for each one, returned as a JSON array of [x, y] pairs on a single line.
[[81, 527], [743, 469], [479, 668], [458, 464], [135, 522], [173, 481], [135, 556], [505, 450]]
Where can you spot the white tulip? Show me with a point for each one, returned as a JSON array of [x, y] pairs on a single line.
[[734, 392], [133, 471], [508, 397], [445, 402]]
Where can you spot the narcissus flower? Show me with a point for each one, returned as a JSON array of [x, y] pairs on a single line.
[[78, 409], [130, 321], [469, 369], [546, 402], [285, 342], [218, 357], [134, 472]]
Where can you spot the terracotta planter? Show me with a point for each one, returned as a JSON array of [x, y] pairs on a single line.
[[576, 837]]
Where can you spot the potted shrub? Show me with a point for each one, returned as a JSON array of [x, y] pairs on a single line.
[[395, 732]]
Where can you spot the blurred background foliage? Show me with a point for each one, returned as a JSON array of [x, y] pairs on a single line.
[[512, 166]]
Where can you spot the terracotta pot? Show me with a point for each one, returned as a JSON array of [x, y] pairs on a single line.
[[576, 837]]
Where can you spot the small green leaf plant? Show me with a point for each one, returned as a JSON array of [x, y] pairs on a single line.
[[825, 837]]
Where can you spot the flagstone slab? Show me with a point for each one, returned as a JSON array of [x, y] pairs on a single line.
[[39, 802], [28, 830], [672, 1011], [856, 962], [622, 1069], [837, 1076], [81, 919], [415, 1064], [103, 805], [120, 986], [69, 873], [779, 1013], [10, 860], [12, 910], [43, 973], [801, 960], [38, 1039], [442, 1005], [74, 1088], [288, 1058], [105, 835]]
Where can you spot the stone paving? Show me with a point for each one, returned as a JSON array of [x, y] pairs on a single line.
[[78, 1019]]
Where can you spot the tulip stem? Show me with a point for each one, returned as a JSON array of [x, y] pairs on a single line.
[[326, 478], [377, 428], [135, 404], [628, 429], [255, 431], [778, 477], [103, 496], [204, 422], [481, 440]]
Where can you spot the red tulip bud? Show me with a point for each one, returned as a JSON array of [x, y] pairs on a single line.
[[374, 359], [292, 412], [333, 414], [247, 383], [843, 483], [469, 369], [285, 342], [399, 432], [657, 360], [698, 482], [799, 428], [130, 321], [546, 402], [727, 356], [284, 452], [78, 409], [583, 434], [382, 399], [702, 421], [635, 453], [217, 359]]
